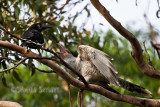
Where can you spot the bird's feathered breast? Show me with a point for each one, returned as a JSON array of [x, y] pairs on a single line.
[[71, 60]]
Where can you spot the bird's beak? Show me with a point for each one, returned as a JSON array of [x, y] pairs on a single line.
[[45, 27], [62, 49]]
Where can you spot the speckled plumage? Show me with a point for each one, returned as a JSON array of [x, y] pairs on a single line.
[[95, 67]]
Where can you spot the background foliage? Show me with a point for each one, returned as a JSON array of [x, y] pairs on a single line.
[[32, 88]]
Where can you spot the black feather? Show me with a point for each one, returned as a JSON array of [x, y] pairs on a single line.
[[34, 35]]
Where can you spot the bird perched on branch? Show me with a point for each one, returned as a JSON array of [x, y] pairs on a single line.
[[95, 67], [34, 35]]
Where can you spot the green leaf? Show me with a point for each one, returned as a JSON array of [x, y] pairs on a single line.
[[17, 12], [4, 82], [57, 23], [61, 34], [15, 74], [33, 72], [4, 64], [2, 75], [28, 2], [61, 19], [13, 81]]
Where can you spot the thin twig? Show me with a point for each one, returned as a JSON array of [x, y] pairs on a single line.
[[148, 57], [153, 35], [78, 98], [70, 98], [40, 57], [136, 3], [21, 61], [157, 48], [51, 71], [31, 66], [81, 97], [67, 1]]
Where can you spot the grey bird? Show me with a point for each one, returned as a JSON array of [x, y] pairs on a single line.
[[95, 67]]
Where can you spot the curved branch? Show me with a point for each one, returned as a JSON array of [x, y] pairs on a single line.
[[9, 104], [136, 47], [68, 66], [63, 62], [21, 61], [31, 66], [94, 88]]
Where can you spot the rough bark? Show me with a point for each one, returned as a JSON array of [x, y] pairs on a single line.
[[137, 52], [9, 104], [93, 88]]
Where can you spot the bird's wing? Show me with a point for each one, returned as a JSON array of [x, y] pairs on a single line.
[[34, 36], [104, 54], [101, 62], [27, 34], [38, 36]]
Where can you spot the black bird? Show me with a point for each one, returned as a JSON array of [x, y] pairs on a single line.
[[33, 34]]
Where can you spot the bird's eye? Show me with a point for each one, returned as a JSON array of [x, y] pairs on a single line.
[[39, 26]]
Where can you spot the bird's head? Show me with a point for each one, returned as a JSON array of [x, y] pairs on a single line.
[[64, 54], [39, 26]]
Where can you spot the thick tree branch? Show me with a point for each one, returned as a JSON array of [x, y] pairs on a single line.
[[39, 46], [68, 66], [136, 47], [9, 104], [94, 88]]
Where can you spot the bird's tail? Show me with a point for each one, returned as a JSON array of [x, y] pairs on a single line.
[[105, 85], [134, 88]]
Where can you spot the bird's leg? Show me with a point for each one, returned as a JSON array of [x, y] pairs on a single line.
[[70, 98]]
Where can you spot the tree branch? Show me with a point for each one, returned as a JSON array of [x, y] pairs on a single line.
[[153, 35], [136, 47], [39, 46], [31, 66], [94, 88], [148, 57], [9, 104], [67, 1], [70, 98], [21, 61], [68, 66]]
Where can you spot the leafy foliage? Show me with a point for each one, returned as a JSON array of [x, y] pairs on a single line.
[[32, 88]]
